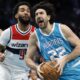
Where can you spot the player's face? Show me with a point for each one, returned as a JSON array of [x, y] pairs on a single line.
[[23, 14], [41, 18]]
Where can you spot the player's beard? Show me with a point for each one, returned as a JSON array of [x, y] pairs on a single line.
[[41, 23], [24, 22]]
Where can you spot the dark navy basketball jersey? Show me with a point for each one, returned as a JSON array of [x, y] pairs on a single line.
[[55, 45]]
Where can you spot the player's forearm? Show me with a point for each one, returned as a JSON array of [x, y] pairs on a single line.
[[31, 64], [74, 54]]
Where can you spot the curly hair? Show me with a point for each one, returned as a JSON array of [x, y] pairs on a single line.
[[48, 7], [15, 9]]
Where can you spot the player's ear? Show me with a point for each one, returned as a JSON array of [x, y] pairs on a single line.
[[49, 17], [16, 16]]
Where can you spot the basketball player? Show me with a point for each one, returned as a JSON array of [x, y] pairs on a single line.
[[14, 43], [54, 40]]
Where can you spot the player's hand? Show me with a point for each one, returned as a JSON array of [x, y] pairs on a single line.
[[2, 57], [61, 64], [39, 71]]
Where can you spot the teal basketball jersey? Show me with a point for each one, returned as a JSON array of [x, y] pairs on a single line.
[[55, 45]]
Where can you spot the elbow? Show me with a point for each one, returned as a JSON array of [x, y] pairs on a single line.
[[77, 50], [78, 47]]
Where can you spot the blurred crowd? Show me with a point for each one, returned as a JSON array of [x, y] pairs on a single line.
[[67, 12]]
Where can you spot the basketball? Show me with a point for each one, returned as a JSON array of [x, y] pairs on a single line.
[[49, 71]]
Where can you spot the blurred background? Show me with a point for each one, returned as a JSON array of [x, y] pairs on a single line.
[[67, 12]]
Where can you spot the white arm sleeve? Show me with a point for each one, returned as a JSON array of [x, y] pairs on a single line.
[[5, 37]]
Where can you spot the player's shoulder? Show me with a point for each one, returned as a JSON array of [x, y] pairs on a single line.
[[64, 27], [66, 30], [6, 31]]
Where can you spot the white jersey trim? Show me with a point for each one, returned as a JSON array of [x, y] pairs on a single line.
[[62, 33], [23, 32], [50, 32]]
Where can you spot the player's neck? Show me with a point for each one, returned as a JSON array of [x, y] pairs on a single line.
[[48, 29], [23, 27]]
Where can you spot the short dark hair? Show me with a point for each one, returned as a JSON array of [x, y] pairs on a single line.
[[15, 9], [48, 7]]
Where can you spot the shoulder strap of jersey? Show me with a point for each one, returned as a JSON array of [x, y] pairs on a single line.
[[11, 32]]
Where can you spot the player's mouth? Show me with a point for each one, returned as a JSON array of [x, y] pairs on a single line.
[[40, 21], [25, 17]]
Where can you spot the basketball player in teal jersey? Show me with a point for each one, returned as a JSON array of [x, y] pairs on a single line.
[[54, 40]]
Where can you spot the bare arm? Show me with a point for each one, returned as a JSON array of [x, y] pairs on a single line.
[[32, 48], [74, 40]]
